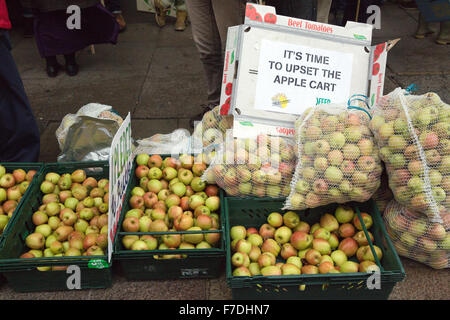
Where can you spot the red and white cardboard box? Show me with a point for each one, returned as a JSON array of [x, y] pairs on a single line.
[[276, 67]]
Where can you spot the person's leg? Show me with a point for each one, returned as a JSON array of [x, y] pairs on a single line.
[[52, 66], [116, 9], [19, 133], [208, 42], [323, 10], [71, 64], [28, 22], [180, 24]]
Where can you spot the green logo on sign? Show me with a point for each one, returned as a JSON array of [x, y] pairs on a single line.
[[98, 264], [359, 37], [232, 58], [372, 99], [246, 123]]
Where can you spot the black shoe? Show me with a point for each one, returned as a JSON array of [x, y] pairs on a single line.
[[53, 69], [72, 69]]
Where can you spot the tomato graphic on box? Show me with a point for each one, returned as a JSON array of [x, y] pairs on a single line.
[[257, 17], [224, 109], [228, 88], [380, 47], [376, 69], [270, 18], [250, 11]]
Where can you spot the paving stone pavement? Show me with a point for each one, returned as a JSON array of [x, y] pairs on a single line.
[[155, 74]]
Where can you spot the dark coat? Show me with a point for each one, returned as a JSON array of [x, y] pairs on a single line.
[[53, 5]]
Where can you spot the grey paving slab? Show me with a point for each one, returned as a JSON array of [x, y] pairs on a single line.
[[422, 283], [168, 37], [145, 128], [427, 83], [172, 97], [395, 22], [120, 93], [217, 289], [171, 62], [419, 56]]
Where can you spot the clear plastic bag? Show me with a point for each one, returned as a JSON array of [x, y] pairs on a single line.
[[413, 135], [87, 135], [418, 238], [253, 167], [337, 158], [176, 142]]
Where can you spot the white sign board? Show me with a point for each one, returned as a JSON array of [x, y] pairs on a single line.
[[292, 77], [120, 164]]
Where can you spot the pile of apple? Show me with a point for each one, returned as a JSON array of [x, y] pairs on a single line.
[[260, 167], [12, 188], [416, 237], [212, 128], [73, 217], [414, 142], [171, 196], [337, 159], [285, 245]]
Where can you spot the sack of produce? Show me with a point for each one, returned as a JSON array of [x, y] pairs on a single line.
[[413, 135], [212, 129], [417, 237], [253, 167], [383, 195], [337, 158]]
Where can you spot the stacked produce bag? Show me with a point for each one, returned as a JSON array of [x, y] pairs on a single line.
[[337, 158], [416, 237], [258, 167], [213, 127], [413, 134]]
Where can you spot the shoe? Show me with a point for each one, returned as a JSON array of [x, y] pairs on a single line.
[[409, 5], [121, 21], [160, 13], [72, 69], [180, 24], [53, 69], [423, 29], [444, 33]]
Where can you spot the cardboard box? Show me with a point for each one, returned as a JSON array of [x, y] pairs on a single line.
[[276, 67]]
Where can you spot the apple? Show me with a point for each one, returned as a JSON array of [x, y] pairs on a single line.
[[337, 140], [46, 186], [271, 271], [35, 241], [313, 256], [267, 231], [349, 246], [349, 267], [367, 254], [78, 175], [361, 238], [367, 219], [309, 269], [329, 222], [344, 214], [39, 218], [282, 234], [275, 219], [183, 222], [322, 233], [266, 259], [270, 245], [346, 230], [213, 203], [333, 241]]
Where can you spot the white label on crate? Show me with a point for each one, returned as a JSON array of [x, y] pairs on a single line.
[[120, 164], [292, 78]]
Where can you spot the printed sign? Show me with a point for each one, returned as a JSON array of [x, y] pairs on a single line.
[[120, 163], [293, 77]]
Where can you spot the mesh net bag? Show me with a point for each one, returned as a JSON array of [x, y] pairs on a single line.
[[384, 194], [418, 238], [253, 167], [212, 129], [413, 135], [337, 158]]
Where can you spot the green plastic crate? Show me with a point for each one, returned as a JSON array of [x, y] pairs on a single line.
[[254, 212], [22, 274], [10, 167], [142, 265]]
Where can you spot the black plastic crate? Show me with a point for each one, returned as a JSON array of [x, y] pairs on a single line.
[[254, 212], [22, 274]]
